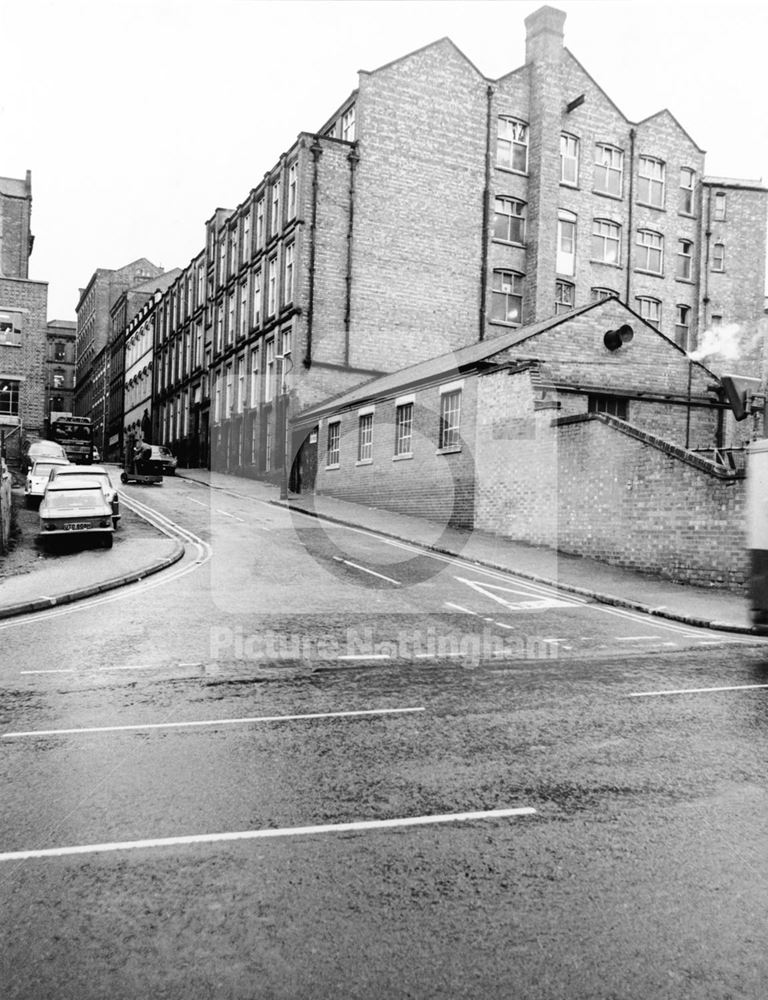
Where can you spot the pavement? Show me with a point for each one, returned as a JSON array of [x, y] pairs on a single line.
[[99, 571]]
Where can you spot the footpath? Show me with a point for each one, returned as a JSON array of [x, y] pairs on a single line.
[[705, 607]]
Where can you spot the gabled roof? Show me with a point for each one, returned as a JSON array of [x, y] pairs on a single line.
[[466, 359], [439, 42], [668, 113]]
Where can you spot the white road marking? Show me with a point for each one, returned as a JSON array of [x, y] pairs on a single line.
[[458, 607], [289, 831], [200, 502], [365, 656], [504, 625], [363, 569], [227, 514], [540, 603], [58, 671], [658, 694], [215, 722], [636, 638]]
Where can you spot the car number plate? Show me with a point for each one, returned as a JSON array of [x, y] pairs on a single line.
[[77, 526]]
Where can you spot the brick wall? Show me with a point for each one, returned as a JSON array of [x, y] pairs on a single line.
[[428, 484], [28, 360], [592, 486], [417, 243]]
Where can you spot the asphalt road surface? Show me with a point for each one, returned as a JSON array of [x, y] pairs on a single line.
[[306, 762]]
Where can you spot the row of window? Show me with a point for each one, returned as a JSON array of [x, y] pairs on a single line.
[[509, 226], [608, 168], [239, 383], [448, 430]]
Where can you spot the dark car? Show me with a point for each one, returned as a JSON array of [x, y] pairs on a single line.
[[33, 450]]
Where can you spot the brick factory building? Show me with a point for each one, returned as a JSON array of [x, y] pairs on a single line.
[[435, 209], [23, 307], [60, 367]]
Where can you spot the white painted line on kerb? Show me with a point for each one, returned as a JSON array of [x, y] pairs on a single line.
[[288, 831], [659, 694], [214, 722], [363, 569], [458, 607]]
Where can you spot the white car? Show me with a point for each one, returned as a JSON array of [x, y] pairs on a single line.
[[76, 505], [37, 478], [93, 473]]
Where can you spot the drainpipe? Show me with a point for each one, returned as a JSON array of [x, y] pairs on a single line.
[[486, 213], [631, 213], [316, 150], [354, 159], [707, 244]]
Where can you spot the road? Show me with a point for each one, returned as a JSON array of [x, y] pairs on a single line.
[[308, 762]]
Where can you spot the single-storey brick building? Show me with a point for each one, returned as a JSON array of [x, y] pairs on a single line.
[[590, 432]]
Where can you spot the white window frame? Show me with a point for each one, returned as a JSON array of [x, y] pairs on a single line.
[[565, 296], [509, 214], [720, 206], [649, 309], [272, 286], [682, 325], [293, 181], [288, 273], [348, 125], [569, 159], [718, 257], [256, 298], [333, 445], [449, 429], [404, 427], [269, 370], [507, 292], [651, 183], [255, 369], [650, 246], [365, 436], [274, 209], [609, 235], [609, 165], [686, 190], [566, 238], [685, 260], [511, 144]]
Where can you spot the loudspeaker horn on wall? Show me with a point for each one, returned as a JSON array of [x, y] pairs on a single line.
[[615, 338]]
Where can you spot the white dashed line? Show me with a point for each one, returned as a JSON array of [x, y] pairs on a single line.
[[659, 694], [363, 569]]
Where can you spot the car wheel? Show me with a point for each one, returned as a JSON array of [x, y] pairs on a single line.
[[114, 524], [28, 502], [123, 477], [107, 541]]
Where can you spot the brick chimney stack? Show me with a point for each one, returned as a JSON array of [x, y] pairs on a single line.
[[544, 35]]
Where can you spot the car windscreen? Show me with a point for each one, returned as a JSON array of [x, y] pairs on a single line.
[[43, 468], [59, 500]]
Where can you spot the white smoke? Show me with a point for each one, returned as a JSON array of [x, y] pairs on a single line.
[[728, 342]]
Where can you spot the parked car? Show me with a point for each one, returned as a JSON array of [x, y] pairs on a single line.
[[33, 450], [91, 472], [37, 478], [164, 455], [76, 505]]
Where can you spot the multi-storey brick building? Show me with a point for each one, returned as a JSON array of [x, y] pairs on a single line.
[[60, 367], [23, 306], [93, 322], [435, 209]]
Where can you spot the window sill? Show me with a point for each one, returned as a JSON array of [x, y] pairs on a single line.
[[608, 194], [686, 281], [511, 170], [330, 468], [501, 322], [507, 243], [452, 450], [652, 274], [364, 461], [656, 208], [687, 215], [606, 263], [570, 184], [402, 458], [9, 343]]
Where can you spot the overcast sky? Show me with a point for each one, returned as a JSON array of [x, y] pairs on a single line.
[[137, 119]]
